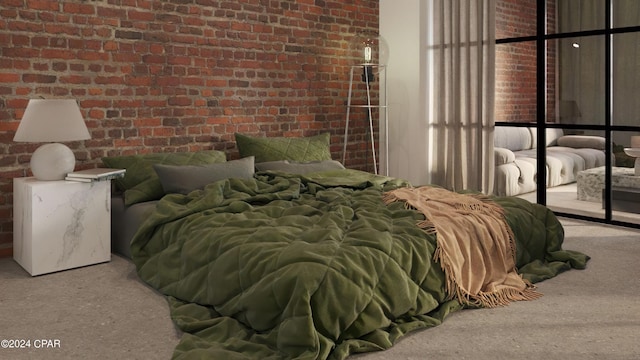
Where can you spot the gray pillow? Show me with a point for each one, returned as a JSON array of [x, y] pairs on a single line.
[[141, 183], [185, 179], [299, 167]]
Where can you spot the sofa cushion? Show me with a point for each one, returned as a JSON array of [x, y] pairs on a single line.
[[552, 136], [515, 178], [582, 141], [503, 156], [512, 138], [562, 166]]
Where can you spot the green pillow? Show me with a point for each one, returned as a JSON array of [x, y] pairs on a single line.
[[183, 179], [300, 168], [141, 183], [314, 148]]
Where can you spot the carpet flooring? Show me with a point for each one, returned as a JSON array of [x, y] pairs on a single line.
[[105, 312]]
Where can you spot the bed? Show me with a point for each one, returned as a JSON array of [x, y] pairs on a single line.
[[308, 260]]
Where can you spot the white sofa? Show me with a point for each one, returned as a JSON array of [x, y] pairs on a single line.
[[515, 158]]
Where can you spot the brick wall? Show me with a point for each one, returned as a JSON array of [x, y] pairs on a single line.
[[177, 75]]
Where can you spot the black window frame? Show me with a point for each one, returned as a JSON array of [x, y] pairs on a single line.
[[541, 125]]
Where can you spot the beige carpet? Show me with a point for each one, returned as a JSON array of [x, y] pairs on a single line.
[[105, 312]]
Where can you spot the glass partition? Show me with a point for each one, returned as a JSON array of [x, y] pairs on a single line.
[[515, 99], [581, 80], [515, 18], [626, 79], [625, 13], [577, 173], [578, 15], [591, 87], [625, 180]]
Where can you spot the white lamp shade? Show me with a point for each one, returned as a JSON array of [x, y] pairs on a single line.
[[51, 120]]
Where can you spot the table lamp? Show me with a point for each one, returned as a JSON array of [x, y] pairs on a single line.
[[52, 120]]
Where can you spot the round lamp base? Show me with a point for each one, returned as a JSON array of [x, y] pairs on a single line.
[[52, 162]]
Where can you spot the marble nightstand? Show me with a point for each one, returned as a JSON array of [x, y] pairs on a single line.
[[59, 225]]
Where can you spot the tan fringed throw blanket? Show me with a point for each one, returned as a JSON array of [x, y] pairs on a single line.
[[475, 245]]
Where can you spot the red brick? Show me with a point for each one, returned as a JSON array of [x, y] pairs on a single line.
[[43, 5], [9, 78]]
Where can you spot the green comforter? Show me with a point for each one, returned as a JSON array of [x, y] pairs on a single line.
[[316, 267]]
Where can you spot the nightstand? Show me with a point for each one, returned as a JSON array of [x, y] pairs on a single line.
[[59, 225]]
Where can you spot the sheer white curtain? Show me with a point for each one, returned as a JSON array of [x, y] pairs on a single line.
[[460, 93]]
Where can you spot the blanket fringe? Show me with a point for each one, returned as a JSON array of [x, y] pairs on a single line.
[[500, 297], [427, 226], [493, 299]]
